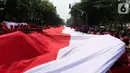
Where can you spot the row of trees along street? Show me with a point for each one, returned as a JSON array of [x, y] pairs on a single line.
[[99, 13], [40, 12]]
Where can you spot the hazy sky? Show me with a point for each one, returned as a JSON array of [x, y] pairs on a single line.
[[62, 7]]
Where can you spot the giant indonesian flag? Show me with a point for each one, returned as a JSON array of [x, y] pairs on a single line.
[[58, 50]]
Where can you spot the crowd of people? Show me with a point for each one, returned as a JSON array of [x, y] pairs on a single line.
[[28, 28], [24, 28], [97, 31]]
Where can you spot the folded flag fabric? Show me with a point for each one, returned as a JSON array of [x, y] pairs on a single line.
[[58, 50]]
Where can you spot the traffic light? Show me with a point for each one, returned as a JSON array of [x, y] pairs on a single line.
[[69, 6], [83, 15]]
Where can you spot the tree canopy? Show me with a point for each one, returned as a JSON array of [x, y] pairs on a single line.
[[100, 12], [31, 11]]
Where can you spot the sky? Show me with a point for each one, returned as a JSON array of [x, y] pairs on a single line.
[[62, 7]]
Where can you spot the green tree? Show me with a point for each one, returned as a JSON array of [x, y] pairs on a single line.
[[101, 12], [31, 11]]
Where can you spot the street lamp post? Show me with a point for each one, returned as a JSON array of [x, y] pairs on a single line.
[[80, 11]]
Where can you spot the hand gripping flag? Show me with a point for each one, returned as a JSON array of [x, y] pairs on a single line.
[[58, 50]]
